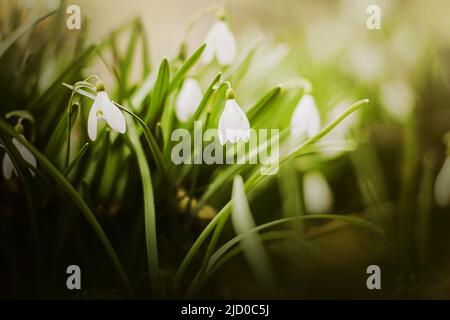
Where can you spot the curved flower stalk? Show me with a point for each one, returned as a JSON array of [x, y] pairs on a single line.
[[317, 192], [188, 99], [220, 43], [7, 164], [305, 121], [233, 123], [104, 108]]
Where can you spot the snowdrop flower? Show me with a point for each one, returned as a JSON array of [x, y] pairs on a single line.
[[305, 119], [103, 108], [233, 123], [8, 166], [317, 192], [221, 43], [188, 100], [397, 99], [442, 185]]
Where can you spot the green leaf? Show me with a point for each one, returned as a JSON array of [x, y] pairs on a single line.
[[190, 62], [243, 223], [146, 65], [159, 92], [149, 209], [61, 134], [65, 74], [240, 70], [211, 89], [20, 31], [78, 156], [132, 45], [227, 174], [264, 103]]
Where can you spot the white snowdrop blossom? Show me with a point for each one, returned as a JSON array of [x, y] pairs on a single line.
[[7, 164], [104, 108], [220, 43], [317, 192], [188, 99], [398, 99], [233, 123], [442, 185], [305, 120]]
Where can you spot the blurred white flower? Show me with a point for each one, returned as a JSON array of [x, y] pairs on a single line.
[[104, 108], [233, 123], [442, 185], [188, 100], [325, 37], [8, 166], [397, 99], [221, 43], [317, 192], [305, 120], [365, 61]]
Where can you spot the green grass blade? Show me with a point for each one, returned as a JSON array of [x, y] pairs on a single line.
[[190, 62], [20, 31], [263, 103], [78, 156], [149, 209], [65, 74], [159, 91], [243, 223], [204, 102], [61, 134]]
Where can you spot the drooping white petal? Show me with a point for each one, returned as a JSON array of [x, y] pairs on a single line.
[[210, 50], [188, 100], [104, 108], [7, 167], [112, 114], [26, 154], [225, 44], [305, 119], [233, 123], [442, 185], [92, 119], [317, 192]]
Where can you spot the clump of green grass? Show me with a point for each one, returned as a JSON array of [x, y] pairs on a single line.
[[144, 210]]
